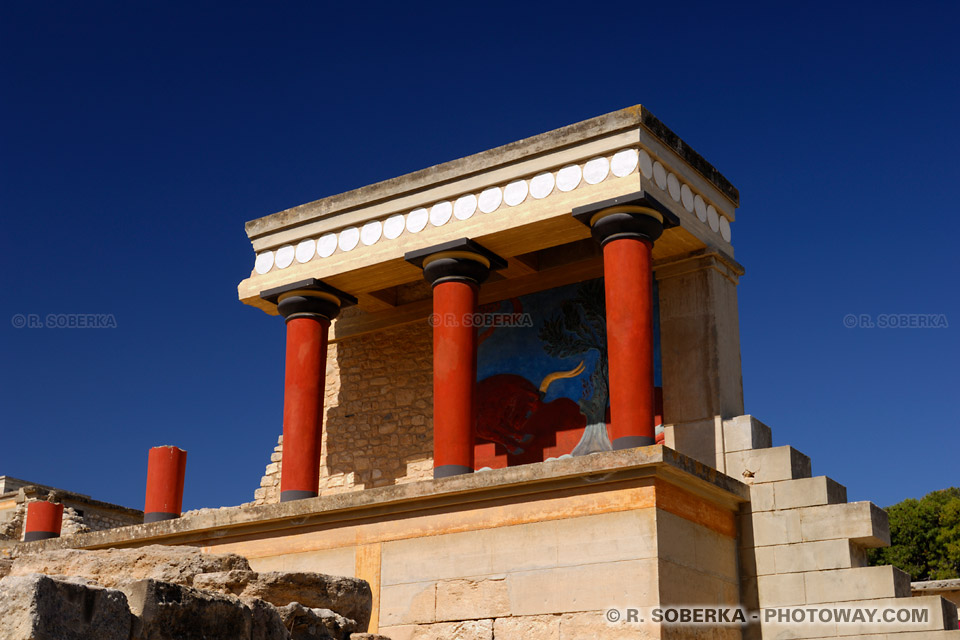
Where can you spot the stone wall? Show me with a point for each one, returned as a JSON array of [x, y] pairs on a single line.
[[81, 514], [378, 414]]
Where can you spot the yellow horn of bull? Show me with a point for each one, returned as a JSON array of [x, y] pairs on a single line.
[[559, 375]]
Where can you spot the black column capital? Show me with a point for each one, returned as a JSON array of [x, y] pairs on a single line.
[[460, 260], [310, 298], [634, 215]]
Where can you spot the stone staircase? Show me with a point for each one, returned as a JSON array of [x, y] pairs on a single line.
[[803, 546]]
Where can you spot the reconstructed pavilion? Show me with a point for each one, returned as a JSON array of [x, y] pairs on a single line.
[[513, 402]]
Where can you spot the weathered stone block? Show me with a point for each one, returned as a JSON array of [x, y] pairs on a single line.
[[761, 497], [528, 627], [862, 583], [781, 590], [163, 610], [349, 597], [38, 607], [768, 528], [596, 587], [472, 599], [468, 630], [110, 567], [757, 466], [305, 623], [410, 603], [862, 522], [817, 556], [808, 492], [745, 432], [593, 624]]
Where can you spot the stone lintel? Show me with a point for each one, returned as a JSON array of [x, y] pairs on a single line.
[[587, 473], [580, 132]]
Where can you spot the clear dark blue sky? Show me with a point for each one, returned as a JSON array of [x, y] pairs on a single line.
[[137, 138]]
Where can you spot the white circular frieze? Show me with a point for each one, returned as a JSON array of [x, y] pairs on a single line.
[[490, 199], [326, 245], [659, 175], [725, 229], [417, 220], [700, 207], [568, 178], [686, 197], [264, 262], [285, 256], [712, 218], [541, 185], [465, 206], [596, 170], [515, 192], [305, 250], [393, 227], [371, 232], [673, 187], [440, 213], [349, 238], [646, 164], [624, 162]]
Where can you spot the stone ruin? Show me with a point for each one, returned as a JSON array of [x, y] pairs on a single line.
[[173, 593]]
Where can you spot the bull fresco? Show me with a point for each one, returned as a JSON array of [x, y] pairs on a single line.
[[542, 383]]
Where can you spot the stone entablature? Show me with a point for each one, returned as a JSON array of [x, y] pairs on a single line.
[[536, 180]]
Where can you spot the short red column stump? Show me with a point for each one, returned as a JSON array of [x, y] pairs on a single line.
[[44, 520], [166, 468]]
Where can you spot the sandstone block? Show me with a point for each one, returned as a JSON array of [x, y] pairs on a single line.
[[761, 497], [38, 607], [468, 630], [862, 522], [757, 466], [746, 432], [593, 624], [817, 556], [768, 528], [862, 583], [472, 599], [110, 567], [808, 492], [528, 627], [410, 603], [781, 590]]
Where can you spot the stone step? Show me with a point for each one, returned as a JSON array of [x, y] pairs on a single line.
[[840, 585], [794, 494], [745, 432], [804, 556], [940, 622], [757, 466], [861, 522]]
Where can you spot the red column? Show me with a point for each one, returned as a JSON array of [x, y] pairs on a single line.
[[628, 282], [454, 377], [303, 406], [44, 520], [166, 468]]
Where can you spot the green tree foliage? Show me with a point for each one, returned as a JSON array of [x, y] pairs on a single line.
[[924, 536]]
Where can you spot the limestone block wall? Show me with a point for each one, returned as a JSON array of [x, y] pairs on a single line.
[[378, 422]]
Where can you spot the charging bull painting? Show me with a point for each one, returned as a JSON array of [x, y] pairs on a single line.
[[542, 377]]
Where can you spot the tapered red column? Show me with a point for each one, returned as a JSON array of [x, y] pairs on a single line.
[[454, 377], [44, 520], [626, 232], [455, 270], [166, 470], [308, 308]]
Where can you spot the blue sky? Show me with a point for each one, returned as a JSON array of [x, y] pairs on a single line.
[[137, 138]]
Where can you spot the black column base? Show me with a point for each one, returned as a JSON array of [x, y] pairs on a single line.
[[158, 516], [448, 470], [296, 494], [33, 536]]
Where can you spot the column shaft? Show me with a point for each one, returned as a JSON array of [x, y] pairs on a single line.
[[454, 377], [44, 520], [304, 380], [166, 470], [628, 282]]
